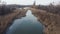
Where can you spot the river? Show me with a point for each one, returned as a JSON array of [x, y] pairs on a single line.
[[26, 25]]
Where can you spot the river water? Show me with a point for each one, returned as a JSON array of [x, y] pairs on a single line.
[[26, 25]]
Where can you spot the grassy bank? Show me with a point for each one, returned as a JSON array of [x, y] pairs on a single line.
[[51, 21], [6, 20]]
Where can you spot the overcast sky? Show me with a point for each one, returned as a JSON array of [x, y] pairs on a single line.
[[27, 2]]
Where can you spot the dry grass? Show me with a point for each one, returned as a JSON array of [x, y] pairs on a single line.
[[6, 20], [49, 20]]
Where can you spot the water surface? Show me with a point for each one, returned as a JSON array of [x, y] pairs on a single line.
[[26, 25]]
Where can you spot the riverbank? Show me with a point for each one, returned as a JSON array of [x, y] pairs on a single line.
[[6, 20], [26, 25], [49, 20]]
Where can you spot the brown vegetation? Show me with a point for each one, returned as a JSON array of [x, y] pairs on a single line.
[[51, 21], [50, 8], [6, 20]]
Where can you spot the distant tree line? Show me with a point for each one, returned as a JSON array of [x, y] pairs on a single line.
[[50, 8], [5, 9]]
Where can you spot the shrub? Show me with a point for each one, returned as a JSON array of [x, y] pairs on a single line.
[[5, 9]]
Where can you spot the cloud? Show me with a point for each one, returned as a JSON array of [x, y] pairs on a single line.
[[26, 2]]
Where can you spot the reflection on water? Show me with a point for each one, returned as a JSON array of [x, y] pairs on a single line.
[[26, 25]]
